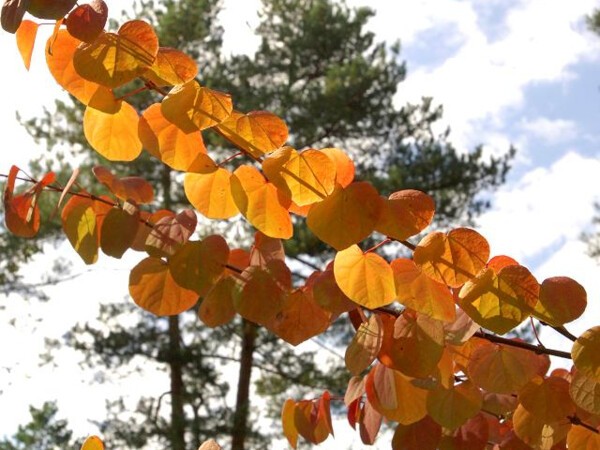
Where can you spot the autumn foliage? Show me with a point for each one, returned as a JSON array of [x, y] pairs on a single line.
[[427, 354]]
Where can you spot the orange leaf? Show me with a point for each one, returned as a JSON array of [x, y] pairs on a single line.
[[192, 107], [113, 60], [307, 177], [153, 289], [87, 21], [256, 133], [369, 421], [500, 302], [209, 191], [127, 188], [562, 300], [388, 390], [171, 67], [265, 250], [537, 434], [198, 265], [26, 35], [261, 203], [300, 318], [312, 419], [412, 344], [217, 308], [329, 296], [171, 232], [547, 399], [367, 279], [452, 258], [501, 369], [59, 58], [365, 345], [422, 435], [582, 438], [453, 407], [586, 353], [417, 291], [144, 230], [166, 142], [287, 420], [344, 173], [119, 229], [261, 298], [93, 443], [347, 216], [474, 434], [405, 214]]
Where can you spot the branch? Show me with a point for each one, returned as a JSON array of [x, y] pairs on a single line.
[[524, 345]]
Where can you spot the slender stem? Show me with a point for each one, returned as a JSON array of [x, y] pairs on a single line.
[[577, 421], [535, 333], [132, 93], [232, 157], [381, 244]]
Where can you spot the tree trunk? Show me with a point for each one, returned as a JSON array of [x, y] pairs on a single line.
[[242, 406], [177, 389]]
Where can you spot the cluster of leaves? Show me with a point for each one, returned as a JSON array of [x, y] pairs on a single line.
[[418, 320]]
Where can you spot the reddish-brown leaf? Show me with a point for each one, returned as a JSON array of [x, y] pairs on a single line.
[[127, 188], [217, 308], [422, 435], [170, 233], [87, 21], [12, 14]]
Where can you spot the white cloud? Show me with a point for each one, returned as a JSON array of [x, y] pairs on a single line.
[[552, 131]]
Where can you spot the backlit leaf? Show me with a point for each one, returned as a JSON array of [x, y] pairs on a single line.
[[418, 291], [501, 369], [422, 435], [329, 296], [585, 392], [113, 60], [261, 297], [288, 423], [580, 438], [405, 213], [261, 203], [547, 399], [537, 434], [265, 250], [192, 107], [347, 216], [168, 143], [171, 67], [256, 133], [113, 134], [59, 58], [355, 390], [209, 191], [412, 344], [153, 288], [453, 407], [198, 265], [217, 308], [87, 21], [344, 166], [306, 177], [461, 330], [561, 300], [394, 396], [26, 35], [126, 188], [586, 353], [365, 345], [92, 443], [309, 422], [452, 258], [81, 227], [367, 279], [369, 422], [119, 230], [500, 302], [171, 232], [147, 221]]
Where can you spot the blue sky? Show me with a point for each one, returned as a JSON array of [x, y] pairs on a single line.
[[522, 72]]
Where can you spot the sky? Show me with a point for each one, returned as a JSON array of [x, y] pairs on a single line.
[[507, 72]]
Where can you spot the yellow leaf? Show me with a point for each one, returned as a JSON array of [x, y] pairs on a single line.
[[119, 230], [367, 279], [452, 258], [113, 60], [113, 134], [209, 192], [347, 216], [192, 107], [256, 133], [166, 142], [306, 177], [585, 392], [586, 353], [153, 288], [365, 345], [287, 420], [80, 225], [537, 434], [261, 203]]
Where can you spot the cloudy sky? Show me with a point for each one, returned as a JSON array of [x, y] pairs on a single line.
[[520, 72]]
